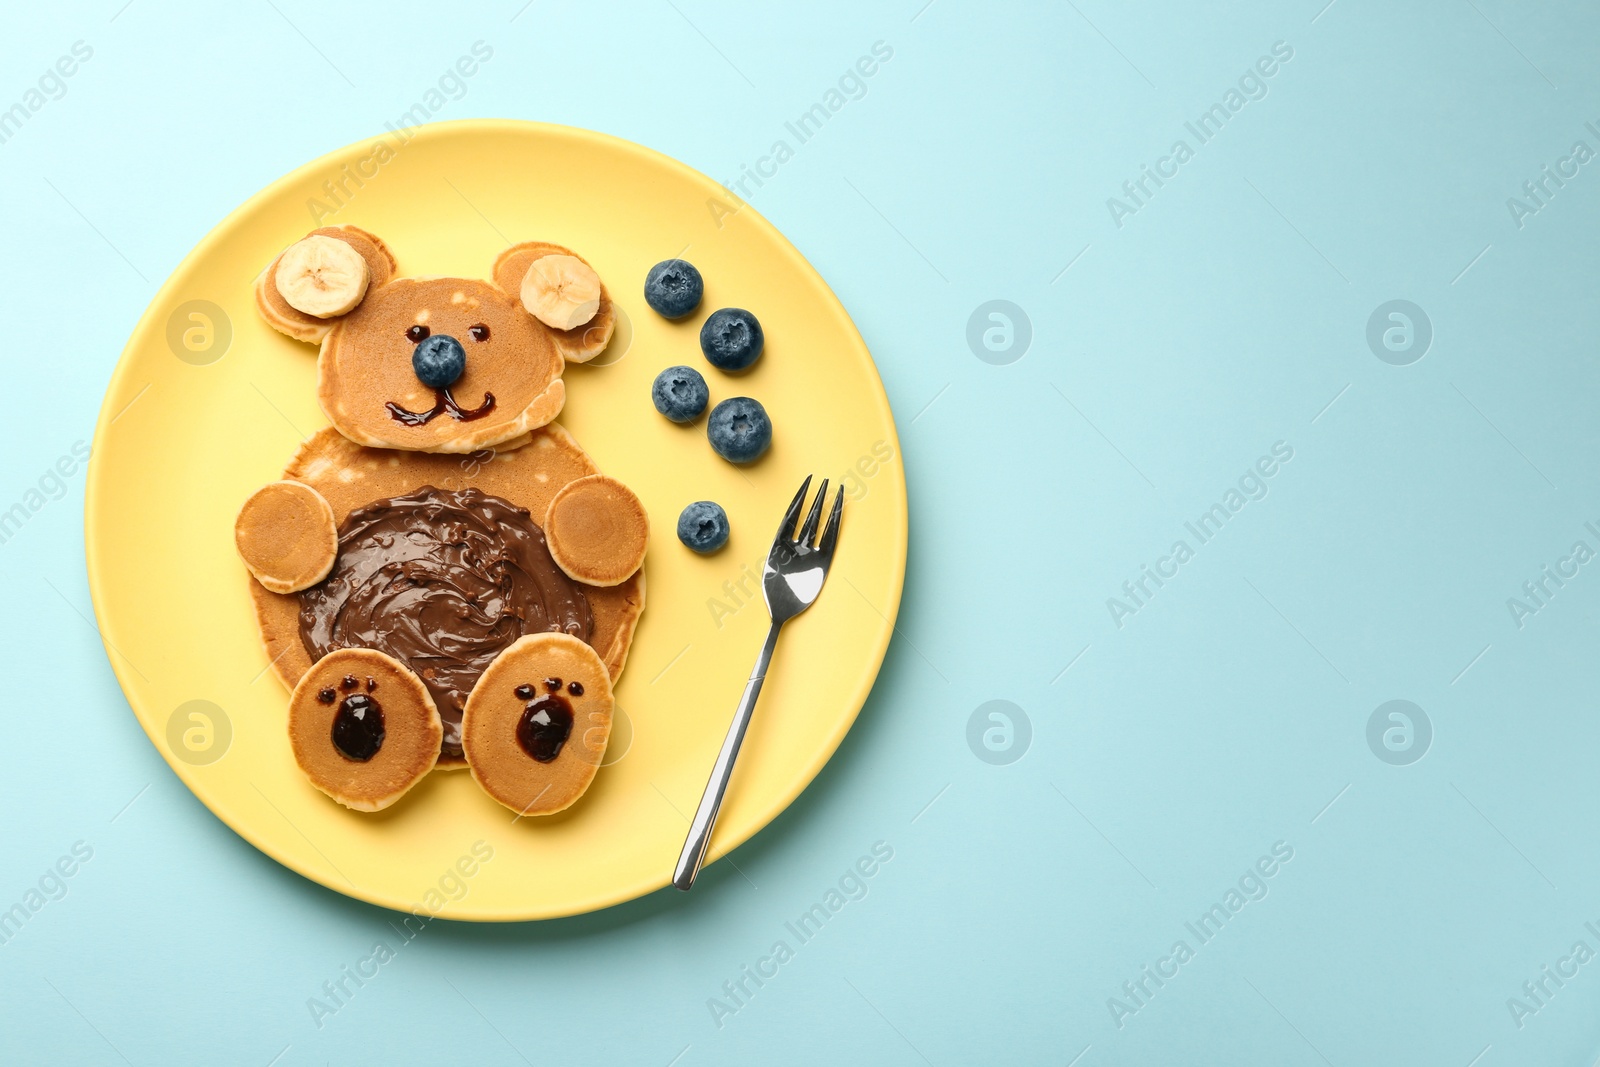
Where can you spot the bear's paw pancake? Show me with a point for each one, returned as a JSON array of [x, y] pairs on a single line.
[[537, 723], [363, 728], [286, 536], [321, 276], [597, 531]]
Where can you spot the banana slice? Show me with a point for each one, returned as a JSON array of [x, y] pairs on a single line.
[[563, 292], [321, 276]]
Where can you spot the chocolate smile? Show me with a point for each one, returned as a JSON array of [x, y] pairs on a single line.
[[444, 403]]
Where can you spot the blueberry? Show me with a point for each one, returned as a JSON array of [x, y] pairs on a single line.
[[703, 526], [731, 339], [680, 394], [739, 429], [673, 288], [439, 360]]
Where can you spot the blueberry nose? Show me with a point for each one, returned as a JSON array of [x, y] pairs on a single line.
[[439, 360]]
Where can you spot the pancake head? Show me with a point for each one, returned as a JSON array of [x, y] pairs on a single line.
[[501, 370], [509, 382]]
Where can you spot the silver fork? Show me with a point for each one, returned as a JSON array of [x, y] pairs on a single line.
[[790, 583]]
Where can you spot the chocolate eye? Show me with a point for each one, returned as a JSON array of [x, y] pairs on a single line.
[[525, 691], [417, 334], [479, 332]]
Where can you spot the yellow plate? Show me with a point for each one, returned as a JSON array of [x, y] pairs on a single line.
[[208, 403]]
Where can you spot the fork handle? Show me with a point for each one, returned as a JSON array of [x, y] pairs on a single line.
[[705, 816]]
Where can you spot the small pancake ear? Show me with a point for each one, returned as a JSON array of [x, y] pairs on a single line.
[[308, 311], [577, 345]]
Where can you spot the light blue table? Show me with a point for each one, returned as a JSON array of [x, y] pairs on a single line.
[[1202, 757]]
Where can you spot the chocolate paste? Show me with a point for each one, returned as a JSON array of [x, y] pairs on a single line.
[[442, 581]]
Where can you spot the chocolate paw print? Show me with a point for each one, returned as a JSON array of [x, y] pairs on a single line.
[[358, 724], [546, 721]]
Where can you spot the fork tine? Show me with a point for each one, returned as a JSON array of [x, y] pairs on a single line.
[[808, 532], [830, 534], [786, 527]]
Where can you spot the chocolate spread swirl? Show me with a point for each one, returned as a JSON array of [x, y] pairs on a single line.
[[442, 581]]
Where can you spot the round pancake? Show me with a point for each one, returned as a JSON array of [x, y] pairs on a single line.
[[286, 536], [346, 691], [349, 476], [536, 726], [597, 530], [581, 343]]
